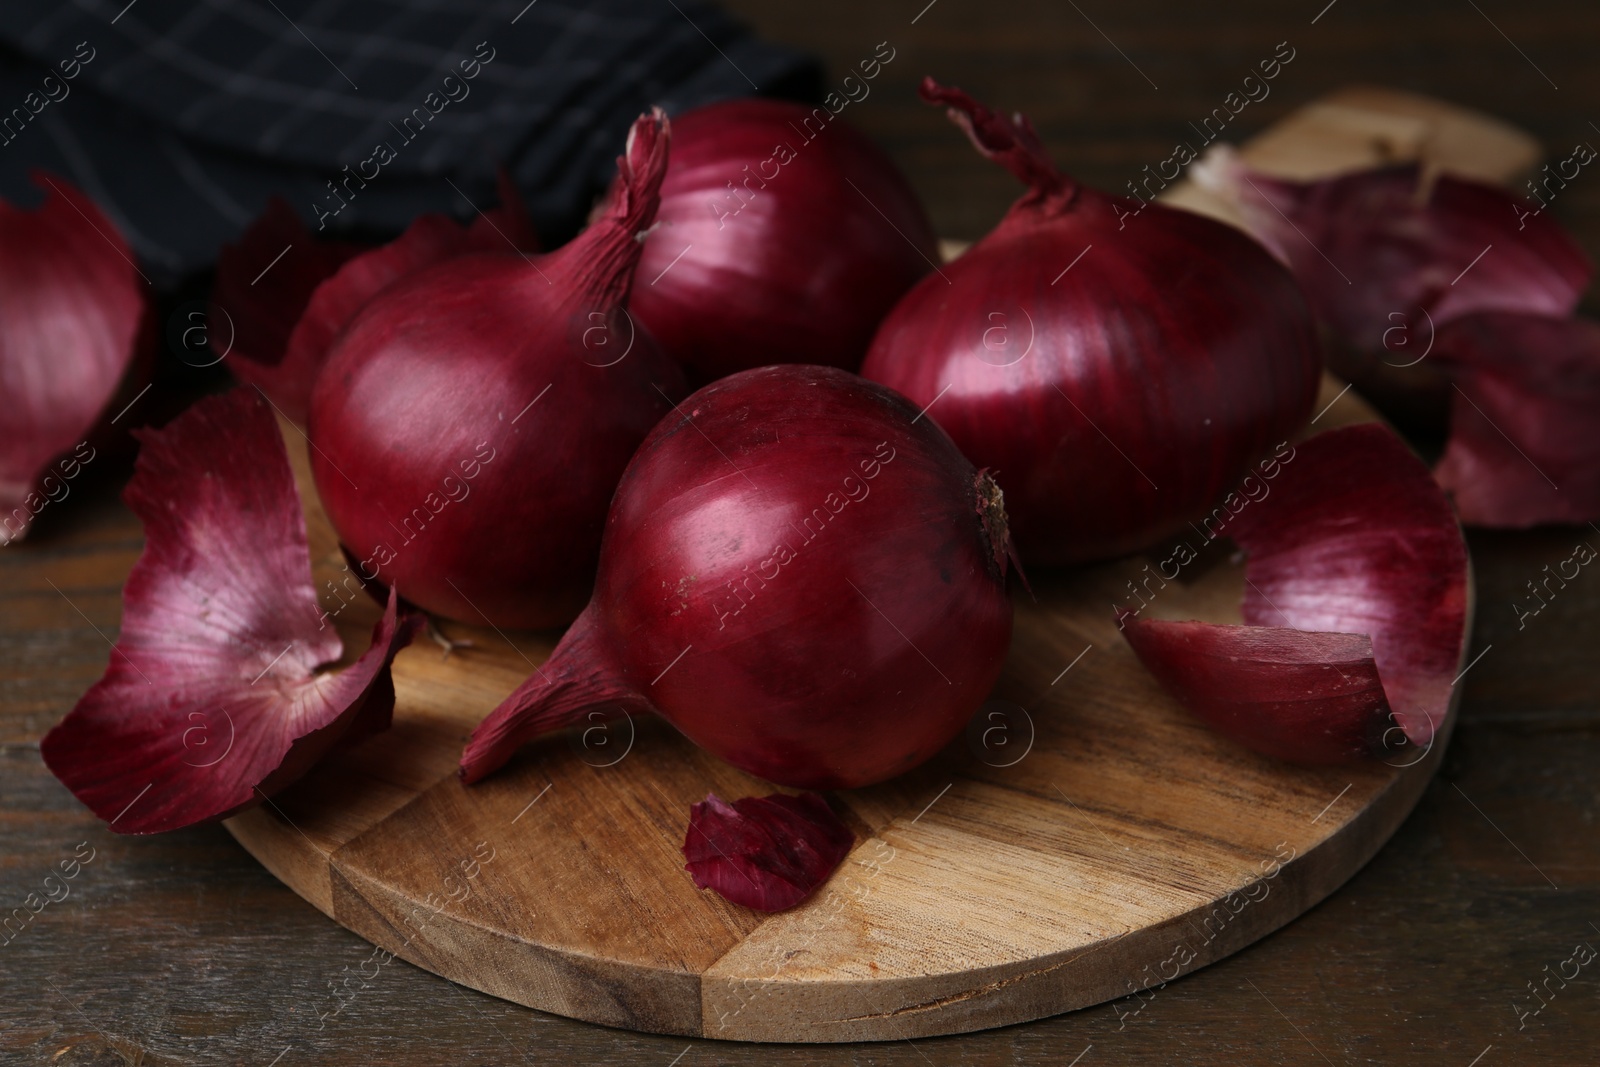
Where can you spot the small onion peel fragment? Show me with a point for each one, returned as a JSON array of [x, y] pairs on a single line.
[[1355, 605], [70, 308], [211, 699], [767, 853]]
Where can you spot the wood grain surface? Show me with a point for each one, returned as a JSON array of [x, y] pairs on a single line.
[[183, 950], [1101, 844]]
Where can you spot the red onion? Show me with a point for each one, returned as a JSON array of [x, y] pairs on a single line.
[[212, 699], [1388, 256], [799, 574], [1117, 371], [71, 303], [784, 236], [1355, 604], [317, 287], [470, 424], [767, 853]]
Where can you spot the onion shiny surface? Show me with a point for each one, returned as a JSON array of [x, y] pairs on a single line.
[[1117, 370]]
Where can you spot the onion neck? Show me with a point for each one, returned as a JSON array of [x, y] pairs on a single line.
[[580, 683], [997, 527], [1011, 142], [604, 256]]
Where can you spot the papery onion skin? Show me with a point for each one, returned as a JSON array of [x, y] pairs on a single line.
[[71, 304], [800, 263], [1524, 445], [1305, 697], [470, 425], [1388, 256], [212, 699], [1360, 540], [1116, 396], [1355, 562], [799, 574], [767, 853]]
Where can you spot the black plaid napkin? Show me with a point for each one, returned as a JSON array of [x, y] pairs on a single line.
[[180, 117]]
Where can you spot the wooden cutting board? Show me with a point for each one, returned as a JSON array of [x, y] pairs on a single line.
[[1084, 840]]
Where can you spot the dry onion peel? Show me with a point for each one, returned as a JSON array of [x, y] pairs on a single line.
[[212, 698], [1370, 243], [1388, 256], [1355, 548], [1524, 442], [767, 853]]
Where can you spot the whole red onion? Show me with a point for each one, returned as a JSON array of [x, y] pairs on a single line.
[[1118, 373], [798, 573], [783, 237], [471, 423]]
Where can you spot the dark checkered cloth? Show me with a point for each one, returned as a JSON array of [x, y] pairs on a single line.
[[185, 115]]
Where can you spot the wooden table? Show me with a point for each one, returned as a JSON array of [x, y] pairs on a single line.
[[181, 950]]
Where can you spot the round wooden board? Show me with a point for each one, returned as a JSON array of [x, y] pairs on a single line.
[[1085, 840]]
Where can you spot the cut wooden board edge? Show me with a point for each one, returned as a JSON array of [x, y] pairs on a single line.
[[603, 991], [566, 983]]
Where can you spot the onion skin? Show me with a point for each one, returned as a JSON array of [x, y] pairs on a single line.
[[1115, 400], [767, 853], [1388, 256], [856, 658], [1305, 697], [1524, 445], [801, 273], [1355, 604], [1356, 538], [448, 472], [212, 698]]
